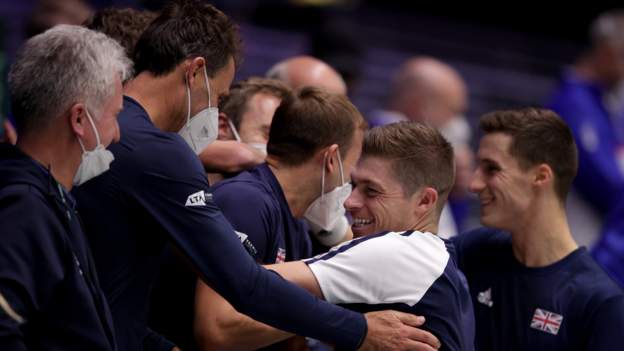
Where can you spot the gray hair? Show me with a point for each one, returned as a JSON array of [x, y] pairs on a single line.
[[60, 67], [608, 26]]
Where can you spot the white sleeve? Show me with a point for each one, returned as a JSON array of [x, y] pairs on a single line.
[[392, 268]]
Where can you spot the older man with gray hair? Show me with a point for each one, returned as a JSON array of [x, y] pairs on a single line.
[[65, 90]]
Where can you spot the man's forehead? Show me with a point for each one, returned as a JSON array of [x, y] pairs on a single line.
[[494, 146], [372, 169]]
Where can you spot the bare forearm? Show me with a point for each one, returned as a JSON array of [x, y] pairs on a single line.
[[229, 156], [218, 326]]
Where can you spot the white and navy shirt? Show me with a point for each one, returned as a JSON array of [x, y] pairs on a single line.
[[412, 272]]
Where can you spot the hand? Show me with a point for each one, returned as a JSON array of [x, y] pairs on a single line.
[[392, 330]]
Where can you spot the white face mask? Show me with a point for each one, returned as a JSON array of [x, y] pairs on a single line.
[[326, 210], [262, 148], [203, 128], [94, 162]]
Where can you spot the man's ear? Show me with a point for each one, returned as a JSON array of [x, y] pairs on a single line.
[[425, 200], [225, 132], [78, 119], [331, 161], [193, 70], [543, 175]]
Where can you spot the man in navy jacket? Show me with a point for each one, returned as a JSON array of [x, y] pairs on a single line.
[[65, 89]]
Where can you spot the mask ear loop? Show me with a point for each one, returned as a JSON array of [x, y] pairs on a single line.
[[207, 86], [340, 166], [323, 178], [97, 135], [234, 131], [188, 109]]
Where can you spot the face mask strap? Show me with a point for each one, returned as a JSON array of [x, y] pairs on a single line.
[[234, 131], [340, 166], [97, 135], [188, 114], [207, 86], [81, 144], [323, 177]]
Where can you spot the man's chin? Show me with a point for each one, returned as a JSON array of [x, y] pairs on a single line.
[[363, 230]]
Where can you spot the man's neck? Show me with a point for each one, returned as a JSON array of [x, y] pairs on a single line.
[[157, 95], [62, 159], [543, 236], [296, 186], [426, 223]]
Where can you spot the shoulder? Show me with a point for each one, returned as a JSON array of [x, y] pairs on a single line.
[[591, 281], [20, 203], [389, 268], [244, 189], [480, 247], [480, 239], [27, 218], [144, 148]]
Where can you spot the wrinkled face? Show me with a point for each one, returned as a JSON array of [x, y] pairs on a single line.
[[378, 202], [256, 120], [504, 189], [105, 120]]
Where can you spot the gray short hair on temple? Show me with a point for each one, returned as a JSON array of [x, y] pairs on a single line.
[[64, 65]]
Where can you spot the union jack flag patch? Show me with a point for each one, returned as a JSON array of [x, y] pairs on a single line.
[[546, 321], [281, 256]]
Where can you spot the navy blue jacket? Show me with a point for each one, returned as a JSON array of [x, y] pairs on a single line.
[[255, 205], [157, 192], [46, 272], [569, 305]]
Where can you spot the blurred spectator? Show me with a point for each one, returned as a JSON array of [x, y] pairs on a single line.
[[584, 99], [300, 71], [48, 13], [429, 91], [581, 100]]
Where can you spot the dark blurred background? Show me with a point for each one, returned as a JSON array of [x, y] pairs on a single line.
[[510, 54]]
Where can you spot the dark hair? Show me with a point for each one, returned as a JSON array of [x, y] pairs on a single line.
[[187, 29], [309, 120], [419, 154], [124, 25], [538, 136], [234, 105]]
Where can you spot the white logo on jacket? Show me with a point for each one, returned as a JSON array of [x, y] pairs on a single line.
[[485, 297], [198, 199]]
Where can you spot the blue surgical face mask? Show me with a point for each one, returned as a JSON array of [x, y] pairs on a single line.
[[94, 162], [203, 128]]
